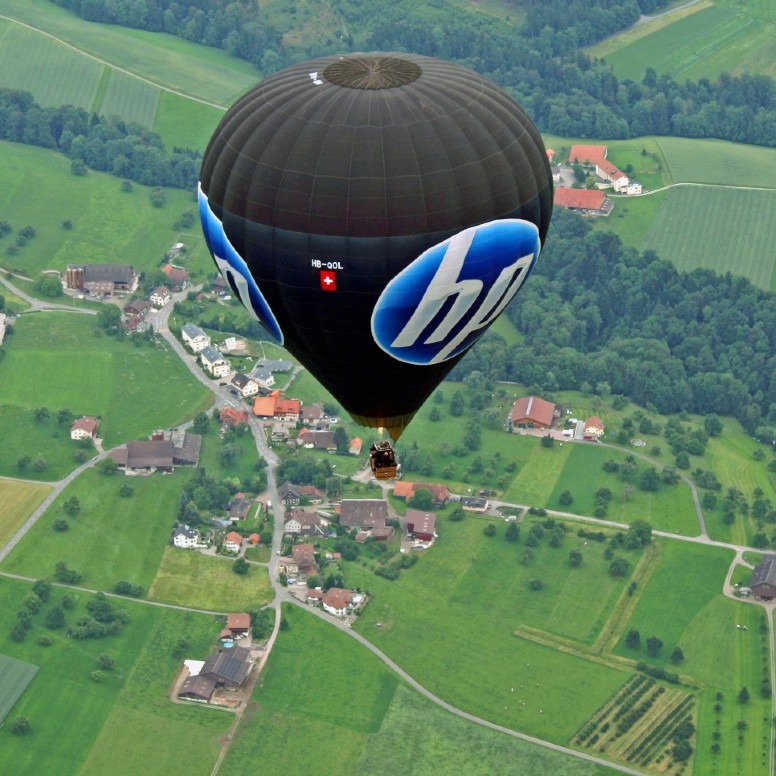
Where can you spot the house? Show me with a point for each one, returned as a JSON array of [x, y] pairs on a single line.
[[228, 668], [254, 539], [293, 524], [531, 412], [160, 296], [185, 537], [354, 448], [263, 376], [288, 410], [289, 494], [245, 385], [194, 337], [304, 558], [555, 170], [314, 496], [474, 504], [363, 513], [214, 362], [233, 417], [406, 490], [84, 428], [233, 542], [177, 277], [197, 688], [239, 507], [305, 523], [276, 365], [264, 406], [594, 425], [421, 525], [316, 440], [763, 582], [315, 596], [238, 623], [101, 279], [338, 601], [136, 308], [584, 201], [312, 415]]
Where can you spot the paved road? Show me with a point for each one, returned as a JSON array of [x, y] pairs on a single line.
[[38, 305]]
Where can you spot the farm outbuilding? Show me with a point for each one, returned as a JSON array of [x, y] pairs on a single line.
[[764, 578]]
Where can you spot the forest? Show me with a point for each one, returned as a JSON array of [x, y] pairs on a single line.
[[609, 319]]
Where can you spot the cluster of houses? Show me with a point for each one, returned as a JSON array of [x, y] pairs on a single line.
[[532, 412], [226, 669], [593, 201]]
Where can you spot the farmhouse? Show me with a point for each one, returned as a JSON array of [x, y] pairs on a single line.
[[588, 202], [228, 668], [136, 309], [177, 277], [363, 513], [312, 415], [289, 494], [84, 428], [531, 412], [421, 525], [194, 337], [305, 523], [101, 279], [185, 537], [304, 558], [232, 417], [763, 582], [595, 426]]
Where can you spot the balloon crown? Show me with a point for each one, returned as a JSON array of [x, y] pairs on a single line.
[[376, 72]]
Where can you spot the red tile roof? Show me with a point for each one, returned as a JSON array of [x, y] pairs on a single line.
[[533, 409], [587, 154], [579, 199]]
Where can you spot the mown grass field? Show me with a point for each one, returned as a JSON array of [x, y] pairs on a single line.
[[112, 538], [375, 725], [57, 362], [130, 98], [112, 725], [719, 229], [450, 622], [108, 225], [699, 42], [189, 578], [18, 500], [185, 123]]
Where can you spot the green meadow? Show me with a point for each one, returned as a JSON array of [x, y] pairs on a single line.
[[189, 578], [80, 725], [374, 725], [108, 224], [58, 362], [112, 537]]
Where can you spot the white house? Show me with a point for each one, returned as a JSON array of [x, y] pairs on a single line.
[[160, 296], [263, 376], [194, 337], [214, 362], [338, 601], [84, 428], [245, 385], [233, 542], [185, 537]]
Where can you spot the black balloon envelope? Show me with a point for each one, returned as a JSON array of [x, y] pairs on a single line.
[[376, 212]]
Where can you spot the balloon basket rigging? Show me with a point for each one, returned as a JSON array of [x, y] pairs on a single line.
[[382, 461]]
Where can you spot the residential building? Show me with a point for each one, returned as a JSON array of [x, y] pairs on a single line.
[[363, 513], [185, 537], [406, 490], [160, 296], [474, 504], [177, 277], [304, 558], [312, 414], [214, 362], [594, 425], [338, 601], [289, 494], [194, 337], [232, 542], [232, 417], [238, 623], [263, 376], [84, 428], [245, 385]]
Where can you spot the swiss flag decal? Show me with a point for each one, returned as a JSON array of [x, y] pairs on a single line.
[[328, 280]]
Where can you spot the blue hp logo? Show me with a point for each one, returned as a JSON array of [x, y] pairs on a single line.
[[234, 270], [439, 305]]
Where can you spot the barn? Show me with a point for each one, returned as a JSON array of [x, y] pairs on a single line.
[[763, 582]]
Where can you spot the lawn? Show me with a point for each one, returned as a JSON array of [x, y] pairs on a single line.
[[185, 123], [58, 361], [721, 229], [450, 621], [189, 578], [112, 538], [70, 713], [37, 189], [18, 500], [131, 99]]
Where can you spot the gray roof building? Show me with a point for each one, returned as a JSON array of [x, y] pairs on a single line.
[[192, 330], [229, 667], [764, 577], [363, 513]]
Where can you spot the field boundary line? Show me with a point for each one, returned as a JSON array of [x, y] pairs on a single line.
[[107, 64]]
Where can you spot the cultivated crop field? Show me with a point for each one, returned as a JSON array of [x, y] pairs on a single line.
[[718, 229], [15, 676], [58, 362], [701, 42], [189, 578], [18, 500]]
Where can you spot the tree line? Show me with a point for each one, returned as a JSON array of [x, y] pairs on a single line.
[[611, 320], [127, 150]]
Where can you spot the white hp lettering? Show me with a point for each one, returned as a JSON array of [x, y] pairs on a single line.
[[446, 284]]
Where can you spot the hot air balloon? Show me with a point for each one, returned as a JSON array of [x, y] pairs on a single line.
[[376, 212]]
